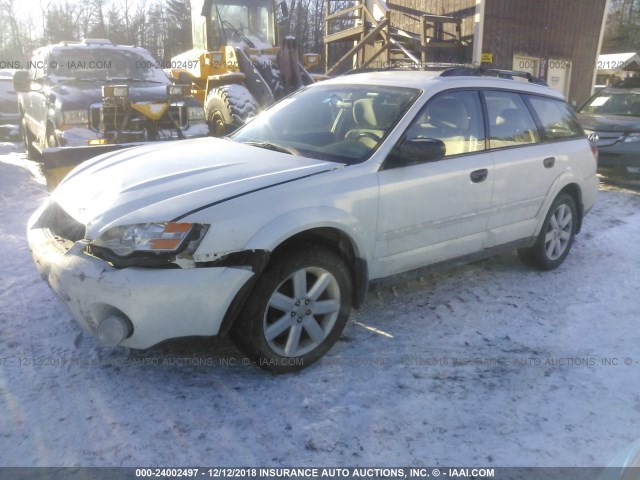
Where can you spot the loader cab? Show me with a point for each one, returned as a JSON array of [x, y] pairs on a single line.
[[225, 22]]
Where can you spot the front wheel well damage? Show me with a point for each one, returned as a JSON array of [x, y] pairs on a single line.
[[331, 238], [342, 245]]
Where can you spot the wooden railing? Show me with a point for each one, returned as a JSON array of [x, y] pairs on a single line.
[[366, 30], [357, 23]]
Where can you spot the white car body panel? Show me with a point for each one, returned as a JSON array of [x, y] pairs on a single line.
[[254, 199], [161, 182], [154, 298], [415, 224], [344, 198], [521, 185]]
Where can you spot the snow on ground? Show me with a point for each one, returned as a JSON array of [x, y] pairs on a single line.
[[534, 391]]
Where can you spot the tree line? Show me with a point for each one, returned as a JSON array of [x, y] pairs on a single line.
[[164, 26], [622, 31], [161, 26]]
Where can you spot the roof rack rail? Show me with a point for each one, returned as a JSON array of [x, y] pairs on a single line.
[[491, 72]]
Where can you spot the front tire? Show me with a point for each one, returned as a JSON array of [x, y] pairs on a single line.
[[297, 310], [556, 236], [227, 108]]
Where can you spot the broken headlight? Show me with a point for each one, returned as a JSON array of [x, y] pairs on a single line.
[[165, 237]]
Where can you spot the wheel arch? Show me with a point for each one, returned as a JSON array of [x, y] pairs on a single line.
[[341, 244], [564, 184], [331, 237], [574, 190]]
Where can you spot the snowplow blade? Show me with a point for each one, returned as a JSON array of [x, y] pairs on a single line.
[[57, 162]]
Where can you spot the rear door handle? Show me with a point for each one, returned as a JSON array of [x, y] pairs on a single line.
[[478, 176], [549, 162]]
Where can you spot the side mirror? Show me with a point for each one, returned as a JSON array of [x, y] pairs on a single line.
[[420, 150], [284, 9], [21, 82]]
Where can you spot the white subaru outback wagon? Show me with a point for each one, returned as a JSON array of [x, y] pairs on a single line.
[[273, 234]]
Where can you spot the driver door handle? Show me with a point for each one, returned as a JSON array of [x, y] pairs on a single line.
[[478, 176]]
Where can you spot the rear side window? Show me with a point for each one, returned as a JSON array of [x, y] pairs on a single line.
[[557, 120], [510, 122], [453, 117]]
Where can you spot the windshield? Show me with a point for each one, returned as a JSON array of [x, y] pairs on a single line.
[[104, 63], [250, 19], [614, 102], [340, 123]]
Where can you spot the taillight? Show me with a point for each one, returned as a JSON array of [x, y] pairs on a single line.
[[594, 150]]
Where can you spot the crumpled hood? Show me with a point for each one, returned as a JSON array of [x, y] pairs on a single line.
[[163, 181], [609, 123]]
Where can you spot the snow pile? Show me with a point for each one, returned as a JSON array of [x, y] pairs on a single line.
[[489, 364]]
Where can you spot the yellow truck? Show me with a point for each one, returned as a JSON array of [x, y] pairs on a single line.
[[239, 65]]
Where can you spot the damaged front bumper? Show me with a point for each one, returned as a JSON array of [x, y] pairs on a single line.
[[151, 304]]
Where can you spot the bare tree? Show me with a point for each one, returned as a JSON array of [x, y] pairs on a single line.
[[97, 26], [10, 35], [178, 39], [622, 33]]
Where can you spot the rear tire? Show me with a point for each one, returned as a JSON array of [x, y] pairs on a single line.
[[297, 310], [556, 236], [227, 108]]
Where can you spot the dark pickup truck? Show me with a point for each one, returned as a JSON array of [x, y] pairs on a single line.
[[97, 94]]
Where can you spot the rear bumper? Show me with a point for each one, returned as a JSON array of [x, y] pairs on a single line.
[[620, 159], [160, 303]]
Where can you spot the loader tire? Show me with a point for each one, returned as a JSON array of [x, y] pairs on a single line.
[[227, 108]]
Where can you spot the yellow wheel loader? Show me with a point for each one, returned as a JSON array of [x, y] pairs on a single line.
[[238, 64]]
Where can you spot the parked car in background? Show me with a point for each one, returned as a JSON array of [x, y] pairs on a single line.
[[9, 116], [274, 233], [611, 119], [97, 94]]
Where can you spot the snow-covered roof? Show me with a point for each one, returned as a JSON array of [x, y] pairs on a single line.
[[616, 57], [616, 61]]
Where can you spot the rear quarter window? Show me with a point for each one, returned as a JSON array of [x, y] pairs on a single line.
[[510, 122], [556, 119]]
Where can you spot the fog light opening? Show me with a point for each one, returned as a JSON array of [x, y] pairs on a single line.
[[114, 329]]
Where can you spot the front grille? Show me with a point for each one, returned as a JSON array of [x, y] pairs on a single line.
[[61, 224], [177, 114], [120, 123], [606, 138]]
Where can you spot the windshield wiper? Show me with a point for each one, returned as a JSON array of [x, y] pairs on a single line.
[[275, 147]]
